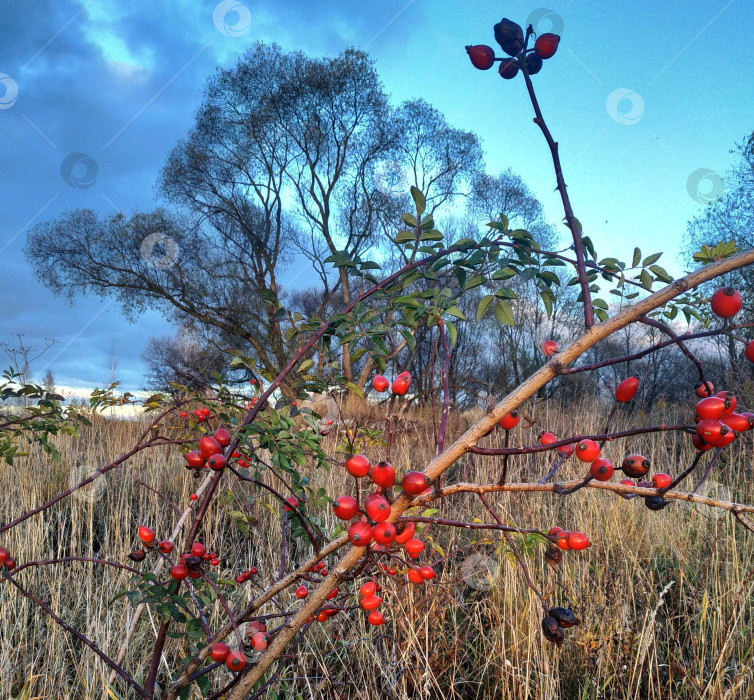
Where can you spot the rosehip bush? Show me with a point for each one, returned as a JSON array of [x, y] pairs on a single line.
[[267, 442]]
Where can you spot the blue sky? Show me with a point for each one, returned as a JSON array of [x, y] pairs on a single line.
[[641, 96]]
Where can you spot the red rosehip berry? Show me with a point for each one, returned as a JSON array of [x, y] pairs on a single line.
[[378, 509], [406, 534], [548, 347], [587, 450], [165, 547], [146, 535], [627, 389], [546, 45], [302, 592], [357, 465], [383, 474], [384, 533], [179, 572], [235, 661], [635, 466], [360, 534], [222, 436], [726, 302], [482, 57], [345, 507], [661, 480], [208, 446], [601, 469], [413, 483], [510, 421], [547, 438], [380, 383], [376, 618], [219, 652]]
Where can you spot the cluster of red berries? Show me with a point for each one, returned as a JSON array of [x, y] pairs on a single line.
[[244, 576], [189, 565], [399, 386], [510, 36], [199, 415], [210, 452], [717, 422], [6, 559]]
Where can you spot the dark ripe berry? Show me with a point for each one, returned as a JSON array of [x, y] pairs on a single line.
[[345, 507], [661, 480], [383, 474], [222, 436], [635, 466], [533, 64], [510, 36], [376, 618], [655, 502], [235, 661], [194, 459], [482, 57], [404, 532], [413, 483], [208, 446], [219, 652], [601, 469], [564, 617], [552, 630], [749, 351], [357, 465], [726, 302], [384, 533], [701, 389], [360, 534], [553, 556], [712, 407], [216, 462], [137, 555], [711, 430], [627, 389], [510, 421], [546, 45], [378, 510], [587, 450], [508, 68]]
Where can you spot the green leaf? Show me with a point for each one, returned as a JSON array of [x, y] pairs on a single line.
[[547, 299], [404, 236], [651, 259], [419, 200], [475, 281], [504, 312], [637, 257], [352, 387], [455, 311], [646, 279], [661, 274], [432, 235], [305, 365], [484, 304], [452, 332], [409, 219]]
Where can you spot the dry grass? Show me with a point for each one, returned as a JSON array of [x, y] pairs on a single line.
[[665, 597]]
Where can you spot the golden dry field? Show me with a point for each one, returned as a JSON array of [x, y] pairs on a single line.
[[665, 598]]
